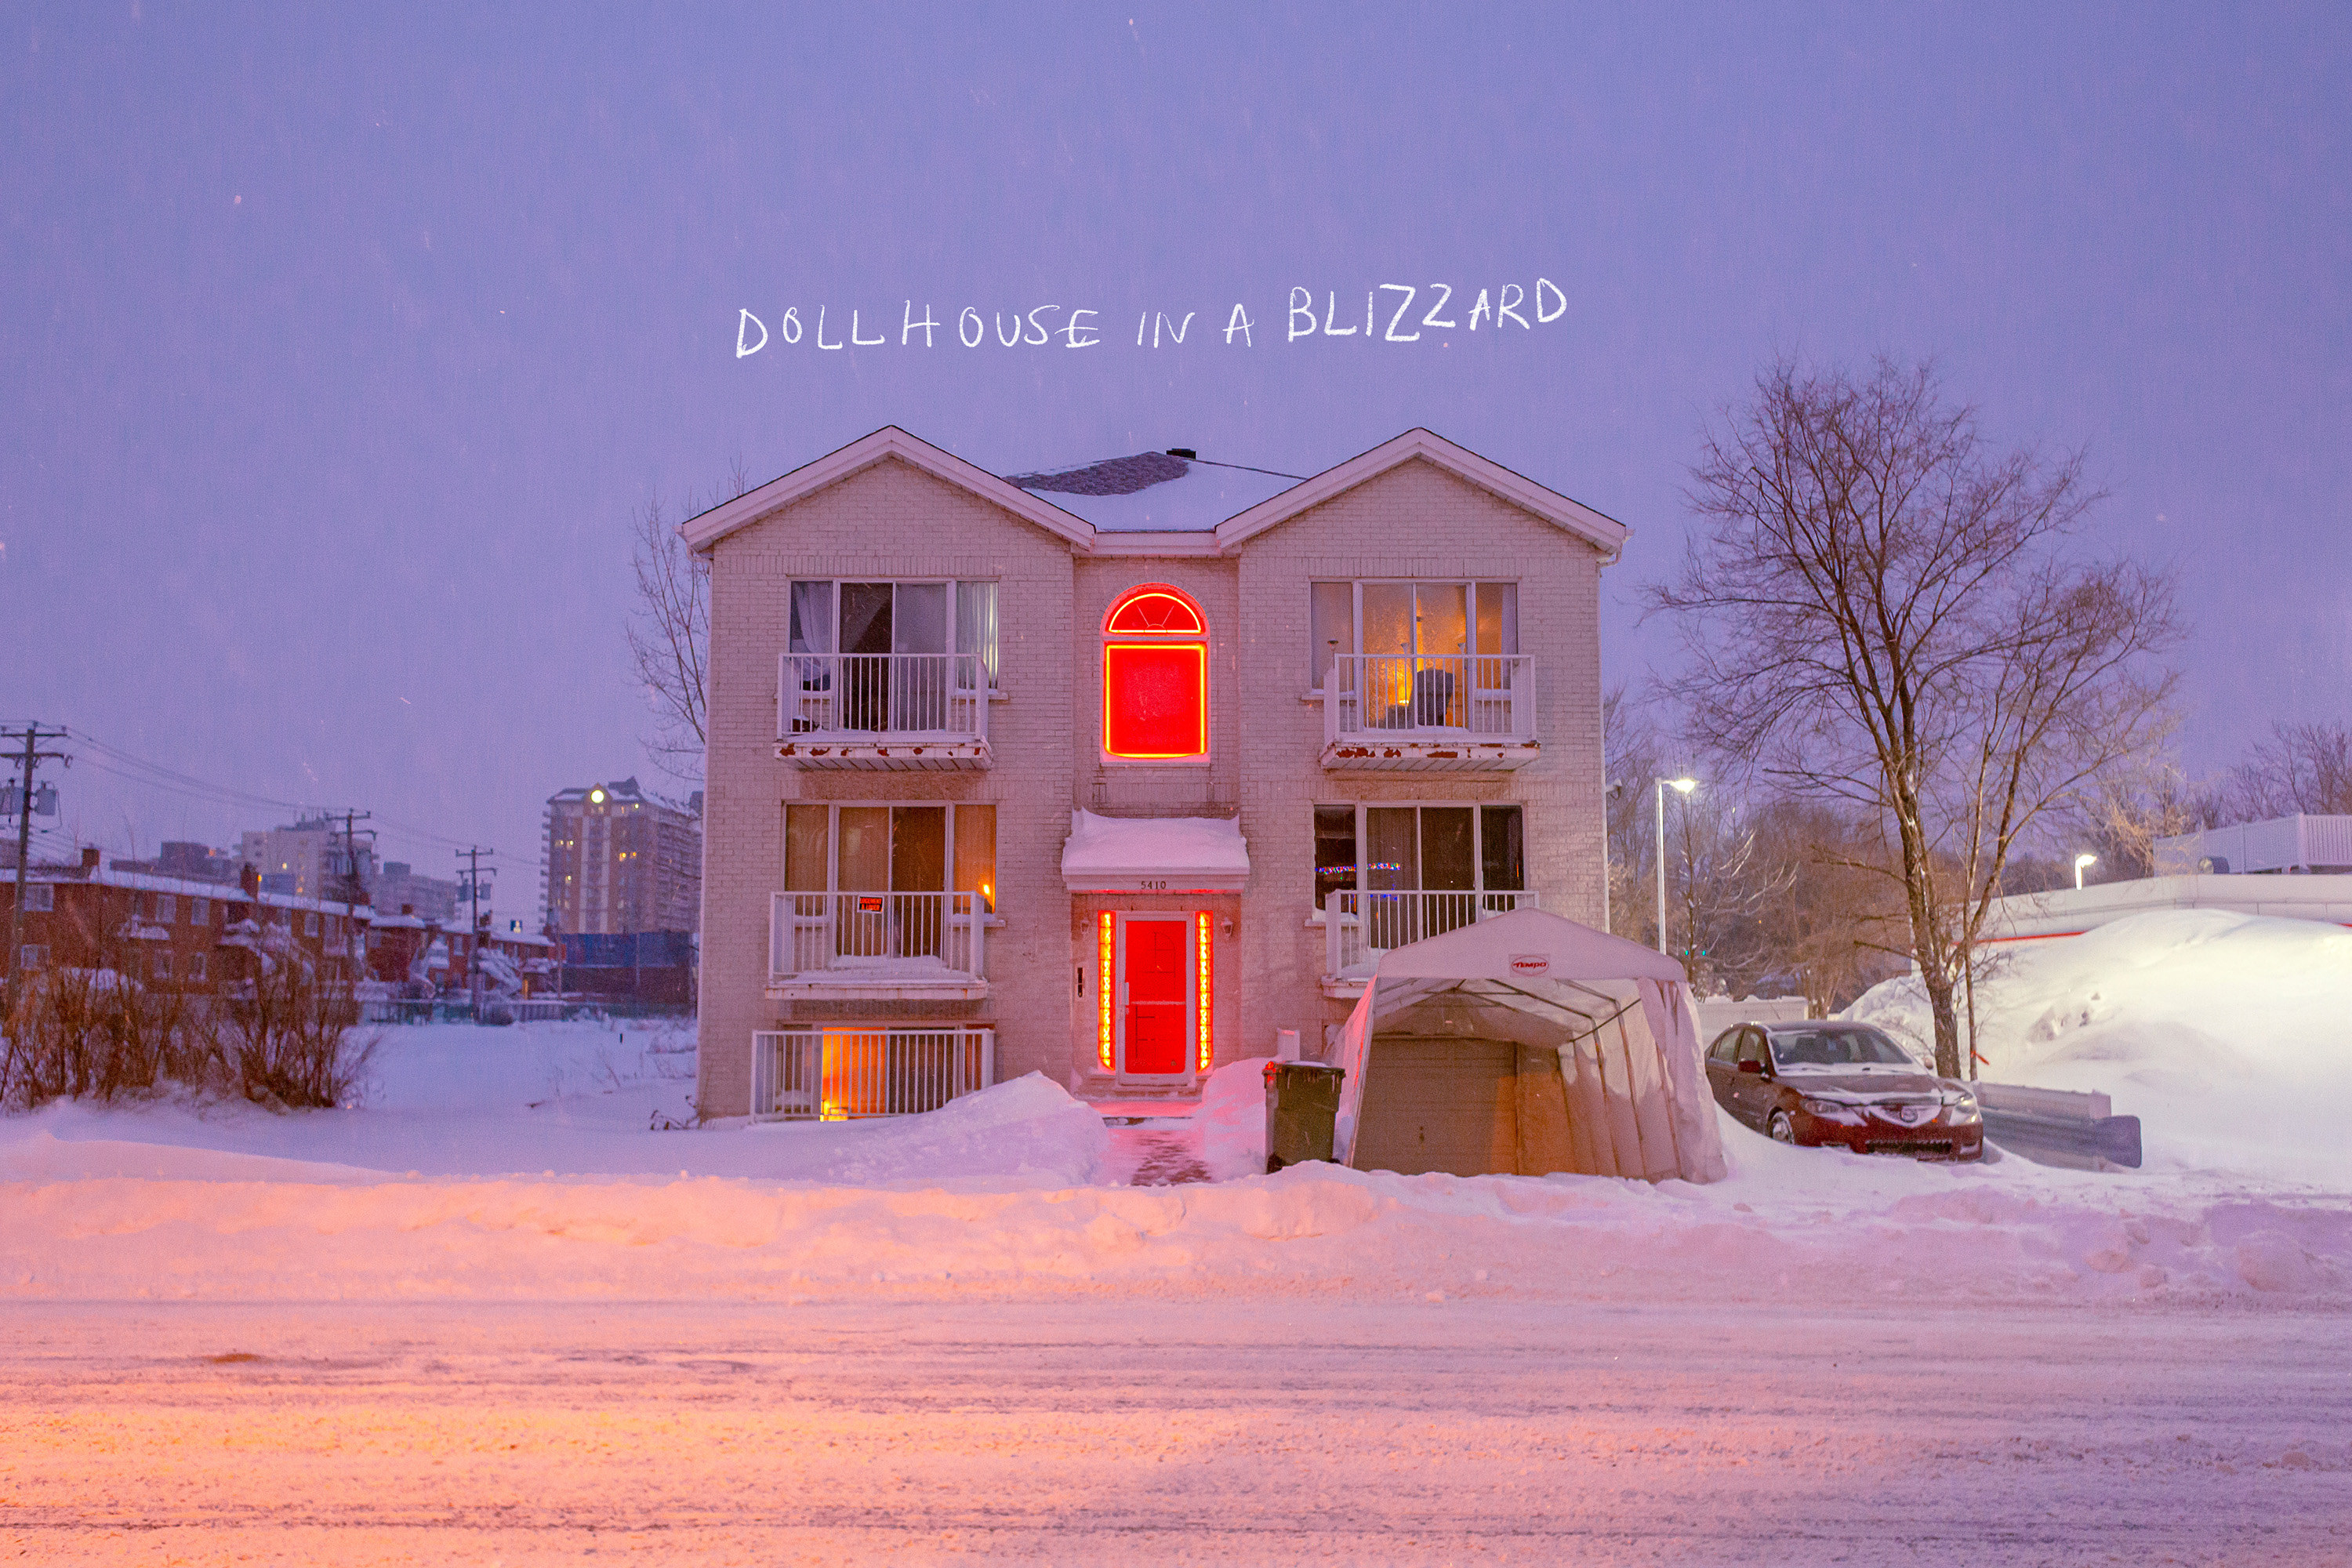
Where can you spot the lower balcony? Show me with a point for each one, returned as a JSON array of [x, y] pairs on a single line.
[[1360, 928], [880, 945], [843, 1074]]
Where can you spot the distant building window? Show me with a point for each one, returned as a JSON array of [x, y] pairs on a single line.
[[167, 909], [196, 966], [200, 911], [1155, 677], [40, 898], [33, 955], [162, 966], [310, 923]]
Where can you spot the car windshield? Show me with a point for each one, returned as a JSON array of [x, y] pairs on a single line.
[[1844, 1046]]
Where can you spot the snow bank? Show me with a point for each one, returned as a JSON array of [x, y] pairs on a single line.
[[1232, 1119], [2228, 1036]]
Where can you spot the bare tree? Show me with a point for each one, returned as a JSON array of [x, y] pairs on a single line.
[[1880, 609], [670, 628], [1723, 884], [2296, 768], [1632, 753], [1834, 922]]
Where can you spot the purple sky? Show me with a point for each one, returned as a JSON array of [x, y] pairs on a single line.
[[337, 347]]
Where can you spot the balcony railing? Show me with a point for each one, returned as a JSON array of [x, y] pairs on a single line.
[[873, 694], [1462, 697], [1359, 927], [836, 1075], [880, 939]]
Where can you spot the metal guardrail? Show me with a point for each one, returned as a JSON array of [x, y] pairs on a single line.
[[838, 1075], [1358, 927], [876, 936], [1462, 697], [935, 694]]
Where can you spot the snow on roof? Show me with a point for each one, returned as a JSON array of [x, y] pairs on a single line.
[[1155, 492], [1188, 854]]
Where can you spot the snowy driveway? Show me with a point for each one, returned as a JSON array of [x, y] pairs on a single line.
[[1127, 1430]]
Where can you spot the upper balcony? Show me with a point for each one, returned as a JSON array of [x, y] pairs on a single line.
[[882, 711], [1458, 713], [878, 945]]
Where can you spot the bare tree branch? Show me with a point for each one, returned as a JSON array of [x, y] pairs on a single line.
[[670, 628]]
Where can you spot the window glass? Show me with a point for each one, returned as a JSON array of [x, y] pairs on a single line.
[[1333, 631], [812, 618], [919, 848], [1392, 847], [1155, 677], [864, 850], [805, 847], [1387, 618], [1498, 620], [310, 923], [1751, 1045], [920, 618], [1448, 860], [167, 909], [866, 617], [976, 633], [1724, 1043], [162, 966], [200, 911], [1442, 619], [1502, 860], [196, 966], [975, 854], [1334, 851], [40, 897]]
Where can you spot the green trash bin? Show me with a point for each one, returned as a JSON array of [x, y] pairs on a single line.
[[1302, 1108]]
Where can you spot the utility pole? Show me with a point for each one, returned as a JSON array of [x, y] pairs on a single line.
[[472, 857], [354, 890], [30, 758]]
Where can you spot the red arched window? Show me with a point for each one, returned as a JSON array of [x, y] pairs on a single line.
[[1155, 677]]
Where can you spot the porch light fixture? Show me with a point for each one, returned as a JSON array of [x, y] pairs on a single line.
[[1200, 949], [2081, 863], [1103, 1043]]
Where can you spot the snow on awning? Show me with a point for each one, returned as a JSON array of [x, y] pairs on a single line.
[[1154, 855]]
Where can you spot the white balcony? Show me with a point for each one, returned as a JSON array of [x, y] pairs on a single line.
[[1359, 928], [1463, 713], [882, 711], [911, 946], [841, 1074]]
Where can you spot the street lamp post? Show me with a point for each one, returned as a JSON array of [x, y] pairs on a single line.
[[2081, 862], [1681, 786]]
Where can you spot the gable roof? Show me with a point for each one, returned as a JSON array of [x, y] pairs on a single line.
[[703, 532], [1603, 531]]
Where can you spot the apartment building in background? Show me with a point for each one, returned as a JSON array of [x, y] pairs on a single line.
[[309, 858], [619, 859], [1120, 771]]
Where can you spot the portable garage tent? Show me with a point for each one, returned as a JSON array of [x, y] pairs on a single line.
[[1527, 1044]]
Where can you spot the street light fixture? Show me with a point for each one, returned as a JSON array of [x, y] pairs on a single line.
[[1680, 786], [2082, 861]]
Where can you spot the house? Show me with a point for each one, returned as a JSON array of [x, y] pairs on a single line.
[[1115, 772]]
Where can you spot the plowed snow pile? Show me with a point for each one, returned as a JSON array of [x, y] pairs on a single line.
[[518, 1163], [2228, 1036]]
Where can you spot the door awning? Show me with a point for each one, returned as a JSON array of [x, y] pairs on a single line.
[[1154, 855]]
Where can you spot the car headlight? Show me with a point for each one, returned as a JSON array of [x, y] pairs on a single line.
[[1832, 1110], [1960, 1108]]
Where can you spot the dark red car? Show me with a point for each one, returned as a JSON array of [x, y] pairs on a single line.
[[1824, 1082]]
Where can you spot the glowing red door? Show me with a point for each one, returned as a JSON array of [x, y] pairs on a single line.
[[1156, 974]]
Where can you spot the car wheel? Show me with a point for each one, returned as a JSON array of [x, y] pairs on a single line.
[[1783, 1129]]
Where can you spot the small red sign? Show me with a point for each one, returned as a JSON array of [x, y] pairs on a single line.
[[869, 904], [1530, 964]]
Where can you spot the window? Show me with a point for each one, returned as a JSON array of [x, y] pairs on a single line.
[[890, 655], [1438, 625], [196, 966], [1472, 849], [167, 909], [310, 923], [33, 955], [1155, 677], [162, 966], [200, 911], [880, 849], [40, 898]]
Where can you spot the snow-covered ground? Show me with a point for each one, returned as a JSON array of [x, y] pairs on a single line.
[[2228, 1036]]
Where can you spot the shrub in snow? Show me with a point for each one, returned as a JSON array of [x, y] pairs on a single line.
[[93, 1034], [288, 1040]]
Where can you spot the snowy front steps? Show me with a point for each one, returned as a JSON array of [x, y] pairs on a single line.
[[1130, 1111]]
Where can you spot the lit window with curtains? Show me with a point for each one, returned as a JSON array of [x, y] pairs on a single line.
[[898, 658], [1155, 677]]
